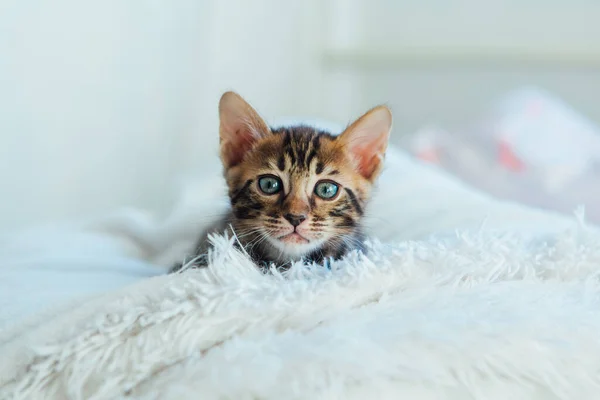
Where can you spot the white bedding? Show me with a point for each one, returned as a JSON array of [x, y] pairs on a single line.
[[72, 293], [56, 263]]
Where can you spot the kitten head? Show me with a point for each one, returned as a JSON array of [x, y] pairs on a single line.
[[297, 192]]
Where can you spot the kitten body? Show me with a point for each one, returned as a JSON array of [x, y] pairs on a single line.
[[296, 193]]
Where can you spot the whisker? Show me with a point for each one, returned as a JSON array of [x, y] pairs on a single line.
[[245, 233], [261, 238], [262, 235]]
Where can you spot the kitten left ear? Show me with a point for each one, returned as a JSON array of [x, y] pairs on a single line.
[[240, 128], [366, 140]]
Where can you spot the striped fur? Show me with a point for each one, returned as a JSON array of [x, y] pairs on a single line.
[[300, 157]]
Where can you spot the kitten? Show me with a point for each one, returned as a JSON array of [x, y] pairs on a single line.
[[296, 193]]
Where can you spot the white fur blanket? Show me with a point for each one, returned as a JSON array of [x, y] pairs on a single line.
[[475, 317]]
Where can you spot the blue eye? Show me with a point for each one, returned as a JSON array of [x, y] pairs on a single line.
[[326, 190], [270, 184]]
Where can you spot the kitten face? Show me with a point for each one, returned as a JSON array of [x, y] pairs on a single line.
[[297, 192]]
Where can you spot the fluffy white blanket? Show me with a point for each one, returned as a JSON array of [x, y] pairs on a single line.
[[474, 315]]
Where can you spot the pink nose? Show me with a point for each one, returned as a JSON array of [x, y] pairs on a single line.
[[295, 219]]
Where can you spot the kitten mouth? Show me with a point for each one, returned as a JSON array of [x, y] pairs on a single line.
[[293, 237]]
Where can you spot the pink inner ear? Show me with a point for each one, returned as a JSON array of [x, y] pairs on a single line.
[[234, 150], [367, 140], [368, 158], [240, 128]]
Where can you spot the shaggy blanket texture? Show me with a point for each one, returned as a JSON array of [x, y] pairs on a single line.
[[473, 316], [87, 312]]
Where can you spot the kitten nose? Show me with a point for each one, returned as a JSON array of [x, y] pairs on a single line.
[[295, 219]]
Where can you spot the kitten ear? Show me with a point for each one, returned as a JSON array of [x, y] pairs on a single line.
[[240, 128], [366, 140]]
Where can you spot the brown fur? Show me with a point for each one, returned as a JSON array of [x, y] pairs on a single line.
[[300, 156]]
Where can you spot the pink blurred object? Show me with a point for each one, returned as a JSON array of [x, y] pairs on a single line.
[[530, 147]]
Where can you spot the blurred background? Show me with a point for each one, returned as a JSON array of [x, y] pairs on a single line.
[[105, 104]]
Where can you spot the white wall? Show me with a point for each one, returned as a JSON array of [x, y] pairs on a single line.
[[105, 103], [446, 61]]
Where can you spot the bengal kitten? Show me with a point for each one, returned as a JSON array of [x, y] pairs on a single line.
[[296, 192]]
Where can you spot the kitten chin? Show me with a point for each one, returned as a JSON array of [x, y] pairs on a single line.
[[291, 247], [296, 192]]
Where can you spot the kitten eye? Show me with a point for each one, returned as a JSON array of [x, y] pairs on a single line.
[[326, 190], [270, 184]]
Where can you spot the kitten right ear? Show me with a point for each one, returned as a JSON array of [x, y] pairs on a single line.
[[367, 139], [240, 128]]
